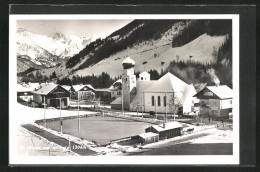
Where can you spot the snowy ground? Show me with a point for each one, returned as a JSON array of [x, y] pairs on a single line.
[[207, 142], [29, 114], [30, 145], [216, 136]]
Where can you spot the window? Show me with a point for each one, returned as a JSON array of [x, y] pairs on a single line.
[[164, 100], [230, 101], [152, 100], [159, 101], [141, 78]]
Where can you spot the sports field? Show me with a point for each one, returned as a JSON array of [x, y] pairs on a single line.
[[100, 129]]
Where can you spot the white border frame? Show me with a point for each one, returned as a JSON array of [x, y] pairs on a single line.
[[121, 160]]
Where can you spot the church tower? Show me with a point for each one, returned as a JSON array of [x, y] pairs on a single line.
[[128, 82]]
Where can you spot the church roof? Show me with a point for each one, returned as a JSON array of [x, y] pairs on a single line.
[[167, 83], [128, 60]]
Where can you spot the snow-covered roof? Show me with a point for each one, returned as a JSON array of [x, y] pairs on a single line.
[[222, 91], [144, 73], [168, 126], [79, 87], [148, 135], [189, 89], [27, 87], [128, 60], [45, 89], [167, 83], [102, 90], [112, 86], [67, 87], [117, 101]]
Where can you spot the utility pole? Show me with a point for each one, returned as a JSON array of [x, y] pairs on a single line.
[[44, 112], [165, 108], [122, 97], [155, 107], [142, 105], [78, 116], [60, 118]]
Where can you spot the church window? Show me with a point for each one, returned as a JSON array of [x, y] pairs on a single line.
[[152, 100], [159, 101], [164, 100]]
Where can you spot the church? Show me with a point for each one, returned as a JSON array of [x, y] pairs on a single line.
[[145, 95]]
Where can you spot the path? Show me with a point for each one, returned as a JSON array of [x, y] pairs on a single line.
[[58, 140]]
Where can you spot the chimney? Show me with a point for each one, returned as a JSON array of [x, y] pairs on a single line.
[[164, 125]]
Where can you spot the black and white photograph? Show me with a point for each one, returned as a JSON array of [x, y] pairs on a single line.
[[124, 89]]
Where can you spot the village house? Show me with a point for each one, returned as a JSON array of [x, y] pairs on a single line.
[[153, 95], [216, 101], [116, 89], [24, 91], [52, 94], [82, 92]]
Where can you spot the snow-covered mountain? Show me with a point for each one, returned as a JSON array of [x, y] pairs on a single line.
[[49, 50], [152, 44]]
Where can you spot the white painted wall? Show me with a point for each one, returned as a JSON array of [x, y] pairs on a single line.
[[144, 77], [226, 104]]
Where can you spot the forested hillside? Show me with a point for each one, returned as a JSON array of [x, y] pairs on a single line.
[[193, 50]]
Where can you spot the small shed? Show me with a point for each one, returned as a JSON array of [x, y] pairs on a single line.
[[166, 130], [116, 104], [149, 137]]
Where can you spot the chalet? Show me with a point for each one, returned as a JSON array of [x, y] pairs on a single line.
[[215, 101], [53, 94], [166, 130], [24, 91], [116, 89], [154, 95], [83, 92]]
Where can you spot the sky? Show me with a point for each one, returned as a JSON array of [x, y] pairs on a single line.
[[74, 27]]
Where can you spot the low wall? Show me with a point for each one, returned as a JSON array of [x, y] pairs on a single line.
[[148, 120]]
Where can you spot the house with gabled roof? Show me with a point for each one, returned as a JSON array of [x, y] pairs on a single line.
[[51, 94], [24, 90], [216, 101], [116, 89], [83, 92]]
